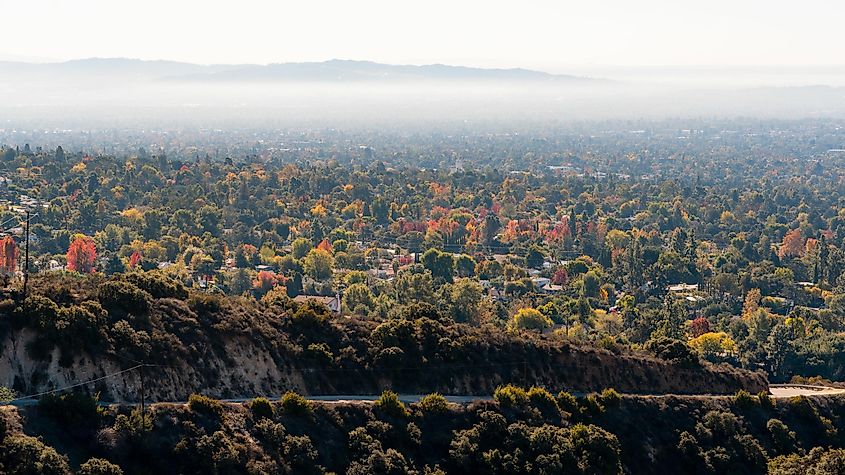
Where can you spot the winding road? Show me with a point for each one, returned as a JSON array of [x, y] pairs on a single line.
[[778, 391]]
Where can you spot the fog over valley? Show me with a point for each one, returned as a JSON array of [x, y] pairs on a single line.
[[93, 92]]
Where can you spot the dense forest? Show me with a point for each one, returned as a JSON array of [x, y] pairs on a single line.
[[733, 247], [552, 279]]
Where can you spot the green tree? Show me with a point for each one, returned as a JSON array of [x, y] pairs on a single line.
[[530, 319], [318, 264], [440, 264]]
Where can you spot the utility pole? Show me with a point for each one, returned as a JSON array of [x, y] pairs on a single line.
[[142, 391], [26, 257]]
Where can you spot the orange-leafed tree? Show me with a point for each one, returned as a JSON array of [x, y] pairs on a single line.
[[325, 245], [82, 255], [265, 281], [8, 256], [792, 245]]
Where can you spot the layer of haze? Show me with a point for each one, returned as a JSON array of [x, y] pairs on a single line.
[[551, 35], [655, 58]]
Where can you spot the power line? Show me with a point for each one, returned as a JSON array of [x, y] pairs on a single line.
[[52, 391]]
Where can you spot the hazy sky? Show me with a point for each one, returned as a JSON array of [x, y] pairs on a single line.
[[530, 33]]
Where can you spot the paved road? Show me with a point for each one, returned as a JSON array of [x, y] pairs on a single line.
[[777, 391], [786, 390]]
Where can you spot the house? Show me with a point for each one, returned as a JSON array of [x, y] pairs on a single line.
[[551, 288], [540, 282], [332, 303], [682, 288]]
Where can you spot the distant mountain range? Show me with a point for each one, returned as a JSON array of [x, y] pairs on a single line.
[[335, 71]]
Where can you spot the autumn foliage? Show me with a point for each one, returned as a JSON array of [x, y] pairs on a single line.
[[134, 259], [325, 245], [793, 245], [8, 255], [82, 255], [265, 281]]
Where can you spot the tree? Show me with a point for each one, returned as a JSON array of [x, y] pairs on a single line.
[[699, 326], [8, 256], [318, 264], [535, 257], [95, 466], [591, 284], [412, 287], [439, 263], [530, 319], [557, 312], [464, 265], [324, 245], [82, 255], [752, 302], [466, 298], [300, 247], [672, 319], [358, 296], [792, 245], [134, 259], [560, 277], [711, 345], [264, 282]]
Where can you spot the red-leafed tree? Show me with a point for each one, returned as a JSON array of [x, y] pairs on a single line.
[[82, 255], [560, 277], [699, 326], [8, 256], [134, 259]]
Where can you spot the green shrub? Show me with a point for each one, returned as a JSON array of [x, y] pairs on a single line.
[[135, 425], [123, 297], [673, 351], [510, 396], [25, 455], [295, 404], [568, 403], [390, 404], [744, 400], [6, 395], [820, 461], [75, 409], [301, 455], [95, 466], [783, 438], [205, 406], [766, 401], [158, 285], [433, 403], [205, 303], [610, 398], [541, 399], [261, 408], [592, 404], [320, 353]]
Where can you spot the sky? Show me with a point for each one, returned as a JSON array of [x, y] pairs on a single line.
[[539, 34]]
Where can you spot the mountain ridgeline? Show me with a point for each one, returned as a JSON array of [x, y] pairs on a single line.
[[335, 70]]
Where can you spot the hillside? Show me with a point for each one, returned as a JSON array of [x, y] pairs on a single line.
[[518, 432], [77, 328]]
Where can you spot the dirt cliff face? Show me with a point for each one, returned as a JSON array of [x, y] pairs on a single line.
[[74, 329], [239, 368]]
